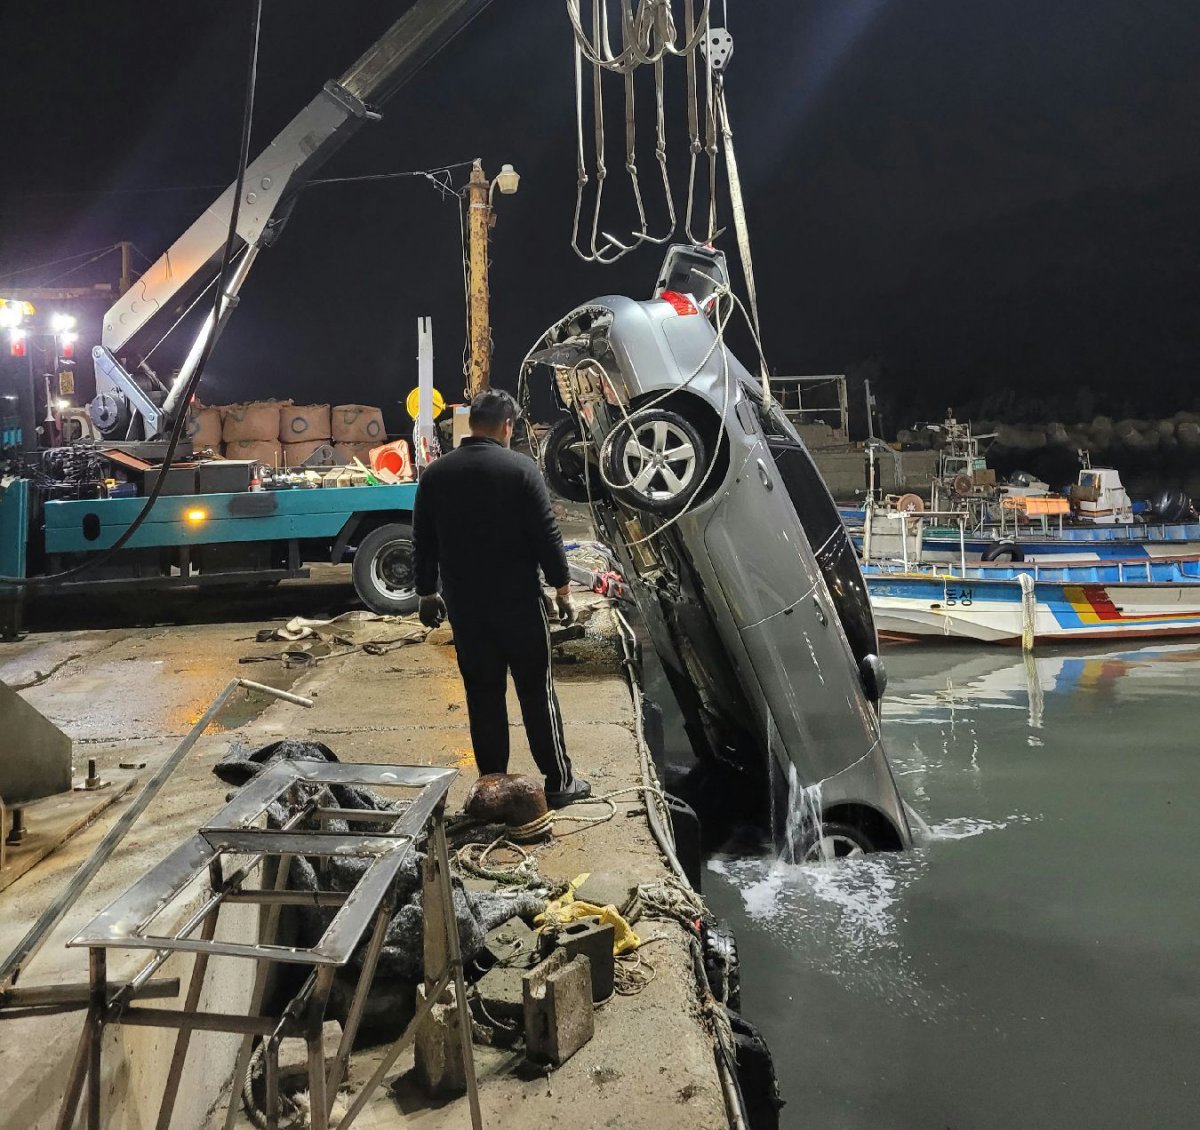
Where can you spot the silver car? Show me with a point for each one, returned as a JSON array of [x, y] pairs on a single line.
[[742, 570]]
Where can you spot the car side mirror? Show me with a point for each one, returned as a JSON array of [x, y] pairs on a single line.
[[873, 674]]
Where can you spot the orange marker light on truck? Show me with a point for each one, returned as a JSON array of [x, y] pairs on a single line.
[[195, 517]]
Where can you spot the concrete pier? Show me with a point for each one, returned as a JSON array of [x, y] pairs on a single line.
[[127, 695]]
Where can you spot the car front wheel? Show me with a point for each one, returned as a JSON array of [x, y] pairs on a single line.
[[837, 841]]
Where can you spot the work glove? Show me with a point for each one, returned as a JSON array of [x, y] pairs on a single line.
[[566, 610], [432, 610]]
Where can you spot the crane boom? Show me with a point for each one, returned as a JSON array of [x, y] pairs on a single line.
[[273, 180]]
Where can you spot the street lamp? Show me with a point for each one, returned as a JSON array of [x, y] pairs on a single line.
[[507, 180]]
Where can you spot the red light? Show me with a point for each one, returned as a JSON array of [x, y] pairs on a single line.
[[679, 302], [68, 350], [17, 347]]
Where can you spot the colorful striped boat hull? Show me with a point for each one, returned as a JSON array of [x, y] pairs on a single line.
[[996, 609]]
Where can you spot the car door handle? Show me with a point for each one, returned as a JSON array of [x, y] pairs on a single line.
[[764, 475]]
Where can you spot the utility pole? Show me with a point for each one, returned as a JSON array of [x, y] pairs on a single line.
[[479, 222]]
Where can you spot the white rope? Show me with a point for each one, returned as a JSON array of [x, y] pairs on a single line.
[[649, 33]]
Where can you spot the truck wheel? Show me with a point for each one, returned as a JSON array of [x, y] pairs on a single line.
[[383, 570], [659, 460]]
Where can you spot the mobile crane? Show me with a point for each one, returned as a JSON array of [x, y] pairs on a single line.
[[208, 526]]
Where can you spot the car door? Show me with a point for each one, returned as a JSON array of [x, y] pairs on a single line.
[[808, 687]]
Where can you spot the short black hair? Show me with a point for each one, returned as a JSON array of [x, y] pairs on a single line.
[[492, 409]]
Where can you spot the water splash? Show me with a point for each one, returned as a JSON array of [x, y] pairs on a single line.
[[802, 828], [847, 920]]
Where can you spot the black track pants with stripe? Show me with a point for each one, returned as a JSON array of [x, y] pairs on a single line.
[[490, 646]]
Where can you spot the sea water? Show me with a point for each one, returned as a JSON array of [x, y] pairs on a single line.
[[1036, 962]]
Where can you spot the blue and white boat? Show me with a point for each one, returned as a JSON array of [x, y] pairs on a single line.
[[1071, 544], [1011, 602]]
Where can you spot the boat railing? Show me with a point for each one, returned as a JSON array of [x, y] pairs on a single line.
[[916, 518], [1128, 571]]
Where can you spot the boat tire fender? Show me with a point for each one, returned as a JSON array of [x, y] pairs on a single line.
[[1003, 549], [755, 1074]]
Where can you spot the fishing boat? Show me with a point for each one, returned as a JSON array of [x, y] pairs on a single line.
[[929, 537], [1023, 520], [1027, 602]]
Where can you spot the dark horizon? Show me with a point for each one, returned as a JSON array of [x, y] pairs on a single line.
[[990, 209]]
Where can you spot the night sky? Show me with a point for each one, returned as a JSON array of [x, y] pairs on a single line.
[[991, 205]]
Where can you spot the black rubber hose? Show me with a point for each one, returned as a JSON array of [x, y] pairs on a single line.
[[222, 281]]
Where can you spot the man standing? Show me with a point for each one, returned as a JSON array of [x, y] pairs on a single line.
[[482, 520]]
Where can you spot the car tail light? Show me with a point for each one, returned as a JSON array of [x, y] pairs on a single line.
[[679, 302]]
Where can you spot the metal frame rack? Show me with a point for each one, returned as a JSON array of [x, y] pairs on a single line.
[[229, 852]]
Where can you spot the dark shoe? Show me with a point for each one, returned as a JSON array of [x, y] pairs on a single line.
[[578, 789]]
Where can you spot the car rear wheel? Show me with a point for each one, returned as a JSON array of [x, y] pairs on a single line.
[[564, 463], [658, 461], [383, 570]]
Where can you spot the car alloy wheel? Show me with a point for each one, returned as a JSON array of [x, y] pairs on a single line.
[[658, 460]]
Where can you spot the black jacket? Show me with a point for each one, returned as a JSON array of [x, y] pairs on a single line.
[[482, 519]]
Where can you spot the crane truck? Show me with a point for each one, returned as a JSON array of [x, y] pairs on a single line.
[[212, 522]]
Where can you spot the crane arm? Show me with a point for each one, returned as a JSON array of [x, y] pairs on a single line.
[[304, 145]]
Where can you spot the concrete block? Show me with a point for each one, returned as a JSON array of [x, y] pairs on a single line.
[[513, 943], [593, 939], [607, 888], [558, 1008], [502, 992], [438, 1047]]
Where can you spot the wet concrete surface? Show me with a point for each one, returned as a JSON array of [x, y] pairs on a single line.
[[129, 692]]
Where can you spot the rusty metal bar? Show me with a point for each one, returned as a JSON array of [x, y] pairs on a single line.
[[314, 1018], [98, 970], [266, 931], [75, 1080], [183, 1039], [354, 1016], [393, 1053], [438, 836], [78, 994], [202, 1021]]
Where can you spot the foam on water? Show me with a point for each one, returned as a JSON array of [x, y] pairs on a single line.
[[964, 827], [848, 915]]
